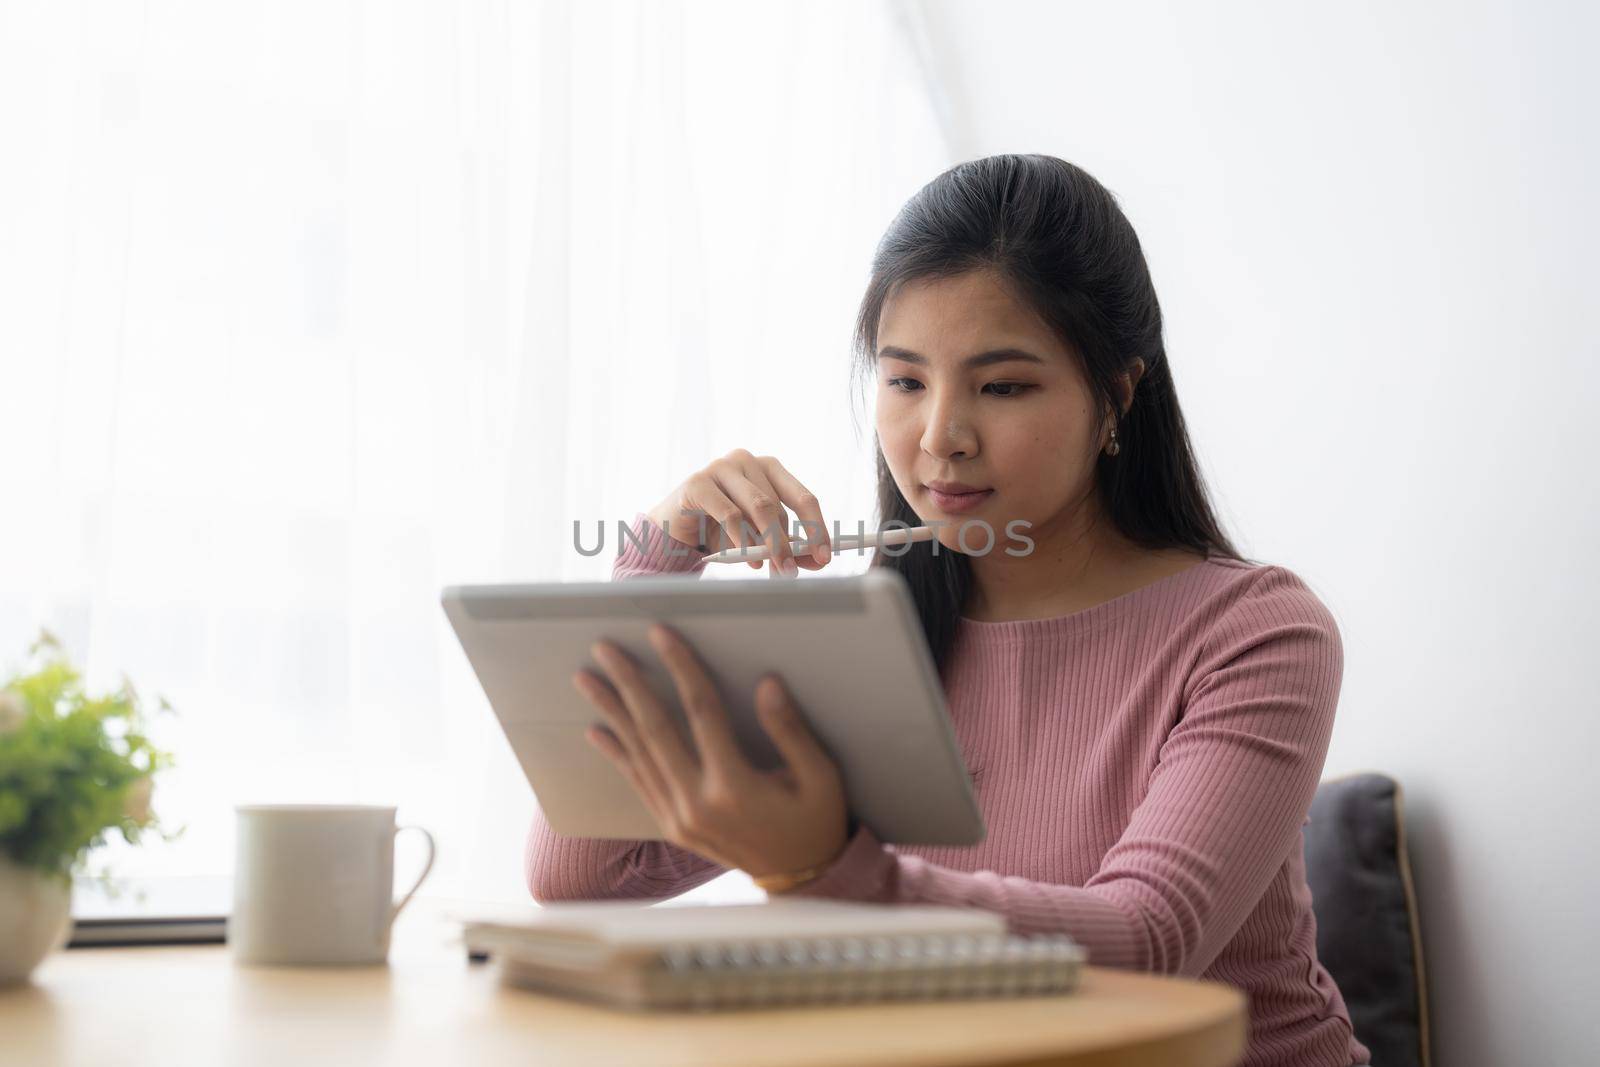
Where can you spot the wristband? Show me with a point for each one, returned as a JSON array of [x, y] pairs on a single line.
[[781, 883]]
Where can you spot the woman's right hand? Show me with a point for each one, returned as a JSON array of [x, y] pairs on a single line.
[[739, 500]]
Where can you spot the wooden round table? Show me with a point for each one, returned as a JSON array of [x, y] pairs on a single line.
[[192, 1005]]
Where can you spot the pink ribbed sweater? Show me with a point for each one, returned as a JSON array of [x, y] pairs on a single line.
[[1144, 768]]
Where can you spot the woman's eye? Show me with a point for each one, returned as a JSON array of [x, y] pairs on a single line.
[[1010, 389]]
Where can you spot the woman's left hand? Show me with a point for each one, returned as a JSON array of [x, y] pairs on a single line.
[[707, 797]]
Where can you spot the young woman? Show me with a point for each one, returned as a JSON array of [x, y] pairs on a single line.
[[1145, 713]]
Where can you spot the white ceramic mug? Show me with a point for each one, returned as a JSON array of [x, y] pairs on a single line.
[[314, 883]]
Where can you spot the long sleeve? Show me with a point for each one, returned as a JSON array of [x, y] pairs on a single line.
[[1227, 798], [558, 867]]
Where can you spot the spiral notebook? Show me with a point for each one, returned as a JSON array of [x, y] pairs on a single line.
[[711, 956]]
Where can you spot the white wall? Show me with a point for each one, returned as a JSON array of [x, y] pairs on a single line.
[[1373, 230]]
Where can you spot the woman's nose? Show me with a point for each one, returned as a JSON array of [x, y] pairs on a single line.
[[948, 432]]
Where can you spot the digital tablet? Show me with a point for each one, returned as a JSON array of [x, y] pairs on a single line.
[[850, 650]]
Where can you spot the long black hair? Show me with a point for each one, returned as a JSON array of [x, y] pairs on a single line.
[[1057, 239]]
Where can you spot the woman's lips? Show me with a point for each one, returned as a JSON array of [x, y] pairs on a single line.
[[957, 502]]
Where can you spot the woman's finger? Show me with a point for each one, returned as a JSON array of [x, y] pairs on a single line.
[[602, 738], [702, 704], [799, 747], [807, 509], [704, 495], [622, 730], [742, 477], [659, 735]]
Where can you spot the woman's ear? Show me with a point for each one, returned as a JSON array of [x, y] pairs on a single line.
[[1129, 381]]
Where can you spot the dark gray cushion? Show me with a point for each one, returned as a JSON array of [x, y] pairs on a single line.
[[1367, 931]]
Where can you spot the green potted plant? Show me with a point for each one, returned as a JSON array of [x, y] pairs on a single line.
[[73, 768]]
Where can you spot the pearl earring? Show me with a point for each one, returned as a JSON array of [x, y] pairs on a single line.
[[1113, 448]]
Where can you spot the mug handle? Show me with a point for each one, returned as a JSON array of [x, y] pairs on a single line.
[[426, 867]]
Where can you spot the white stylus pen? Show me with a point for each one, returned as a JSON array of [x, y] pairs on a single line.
[[799, 546]]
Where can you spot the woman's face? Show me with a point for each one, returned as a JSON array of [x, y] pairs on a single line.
[[974, 388]]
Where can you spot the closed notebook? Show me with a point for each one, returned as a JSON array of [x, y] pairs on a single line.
[[705, 956]]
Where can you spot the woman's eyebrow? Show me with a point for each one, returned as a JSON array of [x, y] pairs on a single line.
[[982, 359]]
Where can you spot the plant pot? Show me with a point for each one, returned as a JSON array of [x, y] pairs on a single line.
[[35, 918]]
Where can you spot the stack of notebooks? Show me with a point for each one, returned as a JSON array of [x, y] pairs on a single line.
[[709, 956]]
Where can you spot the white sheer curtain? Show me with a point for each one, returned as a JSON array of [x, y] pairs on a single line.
[[308, 309]]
